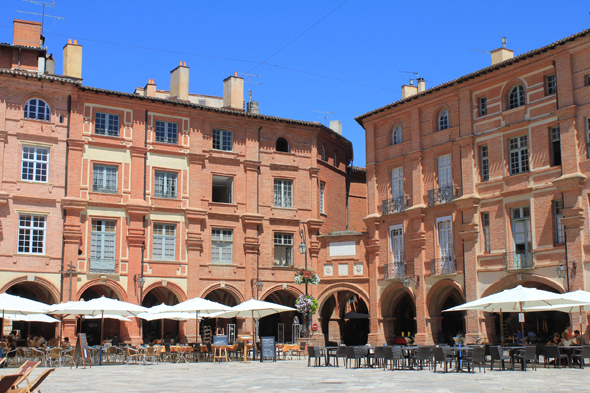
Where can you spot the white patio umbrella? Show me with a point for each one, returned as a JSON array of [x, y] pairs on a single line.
[[580, 301], [159, 313], [10, 304], [31, 318], [108, 316]]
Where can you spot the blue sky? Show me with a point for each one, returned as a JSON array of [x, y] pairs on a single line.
[[363, 41]]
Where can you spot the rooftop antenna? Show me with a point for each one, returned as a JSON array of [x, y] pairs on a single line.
[[250, 83], [325, 117], [411, 72], [43, 15], [487, 51]]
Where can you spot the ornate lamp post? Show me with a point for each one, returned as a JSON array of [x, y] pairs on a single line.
[[563, 270], [303, 250]]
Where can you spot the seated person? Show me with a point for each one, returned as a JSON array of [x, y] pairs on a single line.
[[116, 340], [565, 340], [167, 339], [66, 343], [42, 341], [568, 331], [556, 340], [578, 339]]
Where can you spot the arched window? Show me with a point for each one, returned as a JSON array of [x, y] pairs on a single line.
[[323, 153], [516, 97], [443, 120], [396, 135], [335, 159], [282, 145], [37, 109]]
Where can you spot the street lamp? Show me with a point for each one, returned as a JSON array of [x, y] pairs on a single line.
[[138, 281], [407, 280], [563, 271], [303, 250]]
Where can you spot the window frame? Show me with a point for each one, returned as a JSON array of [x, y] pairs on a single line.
[[231, 191], [525, 218], [323, 153], [108, 118], [555, 145], [36, 115], [485, 226], [439, 244], [170, 132], [217, 246], [485, 163], [165, 194], [281, 241], [220, 137], [396, 135], [322, 197], [516, 97], [518, 155], [445, 168], [104, 168], [483, 106], [444, 121], [558, 227], [37, 164], [27, 241], [550, 85], [335, 159], [397, 256], [165, 239], [284, 185], [397, 182], [104, 237]]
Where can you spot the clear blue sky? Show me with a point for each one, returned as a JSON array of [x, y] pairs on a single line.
[[366, 42]]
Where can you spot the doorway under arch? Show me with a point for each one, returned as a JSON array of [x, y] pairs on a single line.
[[345, 319], [33, 291], [269, 325], [92, 326], [227, 298], [159, 329]]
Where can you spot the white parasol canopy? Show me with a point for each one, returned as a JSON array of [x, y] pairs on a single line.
[[253, 308], [578, 301], [99, 306], [198, 305], [10, 304], [108, 316], [163, 311], [31, 318]]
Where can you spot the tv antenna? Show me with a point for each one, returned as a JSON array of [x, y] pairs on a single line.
[[249, 81], [43, 15], [410, 72], [325, 117], [487, 51]]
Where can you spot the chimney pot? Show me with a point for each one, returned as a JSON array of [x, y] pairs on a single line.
[[75, 42], [336, 126], [409, 91], [180, 63], [233, 92], [421, 85], [150, 89], [70, 41], [235, 73]]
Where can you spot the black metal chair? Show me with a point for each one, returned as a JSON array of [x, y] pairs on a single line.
[[340, 353], [439, 356], [477, 356], [398, 357], [388, 357], [422, 355], [379, 356], [526, 356], [353, 355], [539, 351], [497, 356], [552, 352], [581, 355], [314, 353]]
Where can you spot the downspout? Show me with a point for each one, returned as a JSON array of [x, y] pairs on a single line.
[[258, 212], [19, 51], [64, 214], [348, 176]]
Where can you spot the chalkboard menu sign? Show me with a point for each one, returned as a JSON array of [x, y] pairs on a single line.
[[268, 348], [81, 352], [220, 340]]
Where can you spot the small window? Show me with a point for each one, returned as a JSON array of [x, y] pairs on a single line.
[[37, 109], [485, 164], [105, 178], [282, 145], [516, 97], [283, 249], [31, 234], [558, 215], [555, 146], [166, 132], [443, 120], [519, 155], [164, 244], [106, 124], [223, 140], [483, 106], [165, 184], [587, 80], [322, 197], [202, 102], [550, 84], [222, 189], [323, 153], [335, 160], [222, 246], [283, 193], [35, 163], [485, 224], [396, 135]]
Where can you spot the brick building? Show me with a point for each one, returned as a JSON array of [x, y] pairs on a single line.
[[189, 195], [478, 185]]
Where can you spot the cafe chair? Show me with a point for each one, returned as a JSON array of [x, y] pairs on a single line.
[[35, 384], [39, 355], [498, 356], [439, 356], [477, 356], [315, 354], [340, 354], [379, 356], [133, 355], [526, 356], [422, 356], [552, 352], [353, 355], [581, 355], [55, 356], [8, 381]]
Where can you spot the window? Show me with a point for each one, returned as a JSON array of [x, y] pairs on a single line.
[[445, 239], [106, 124], [223, 189], [165, 184], [282, 145], [223, 140], [103, 245], [164, 247], [396, 135], [485, 224], [483, 106], [550, 84], [37, 109], [521, 229], [31, 234], [443, 120], [587, 80], [34, 164], [166, 132], [396, 234], [516, 97], [555, 146], [558, 215], [221, 246], [397, 182], [322, 197], [105, 178], [519, 155], [335, 159], [444, 171], [485, 164], [283, 193], [323, 153], [283, 249]]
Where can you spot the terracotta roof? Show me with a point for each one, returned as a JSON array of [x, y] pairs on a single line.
[[29, 74], [476, 74], [358, 169], [24, 47]]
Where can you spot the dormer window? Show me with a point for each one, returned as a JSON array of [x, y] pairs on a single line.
[[396, 135], [282, 145], [37, 109], [443, 120], [323, 153], [516, 97]]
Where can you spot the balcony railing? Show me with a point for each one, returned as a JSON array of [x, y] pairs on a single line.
[[165, 194], [395, 270], [442, 195], [443, 266], [103, 266], [105, 189], [519, 260], [394, 205]]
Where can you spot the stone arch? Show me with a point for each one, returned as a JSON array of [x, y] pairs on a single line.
[[392, 293], [513, 280], [335, 288], [229, 288], [175, 289], [45, 284], [289, 288], [37, 94], [113, 285], [440, 292]]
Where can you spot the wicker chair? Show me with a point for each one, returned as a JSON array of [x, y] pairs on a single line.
[[55, 356], [133, 355], [39, 355]]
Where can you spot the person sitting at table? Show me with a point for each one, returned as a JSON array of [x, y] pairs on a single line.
[[53, 342], [556, 340], [578, 339], [568, 331], [565, 340], [66, 343], [42, 341], [167, 338], [10, 347], [518, 336], [116, 340], [35, 342]]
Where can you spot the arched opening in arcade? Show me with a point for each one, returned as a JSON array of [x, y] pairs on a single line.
[[220, 325], [38, 292], [92, 327], [446, 325], [281, 325], [159, 329], [399, 314], [345, 319]]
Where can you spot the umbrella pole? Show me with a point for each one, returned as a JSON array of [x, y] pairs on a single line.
[[101, 335], [2, 324], [522, 324], [501, 327], [162, 332]]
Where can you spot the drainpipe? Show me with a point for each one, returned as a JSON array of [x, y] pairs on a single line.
[[64, 214], [349, 175]]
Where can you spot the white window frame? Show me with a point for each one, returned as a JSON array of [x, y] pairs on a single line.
[[223, 140], [557, 206], [112, 124], [221, 240], [518, 154], [322, 197], [445, 171], [283, 243], [29, 231], [39, 164], [443, 120], [168, 181], [396, 239], [37, 113], [283, 193], [100, 250], [104, 171], [164, 244], [397, 182], [169, 130], [448, 251], [396, 135], [526, 228], [516, 97]]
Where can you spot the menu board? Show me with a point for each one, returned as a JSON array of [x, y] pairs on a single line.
[[81, 352], [220, 340], [268, 348]]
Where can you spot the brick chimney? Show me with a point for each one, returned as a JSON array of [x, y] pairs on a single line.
[[233, 92], [26, 33], [336, 126], [421, 85], [501, 54], [179, 82], [72, 59], [409, 90], [150, 89]]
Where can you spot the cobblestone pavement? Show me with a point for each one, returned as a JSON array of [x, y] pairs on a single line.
[[294, 375]]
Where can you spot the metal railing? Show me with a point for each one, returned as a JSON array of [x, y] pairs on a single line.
[[105, 189], [519, 260], [165, 194], [395, 270], [443, 195], [103, 266], [394, 205], [443, 266]]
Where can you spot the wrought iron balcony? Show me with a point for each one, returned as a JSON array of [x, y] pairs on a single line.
[[103, 266], [394, 205], [519, 260], [165, 194], [105, 189], [442, 195], [443, 266], [395, 270]]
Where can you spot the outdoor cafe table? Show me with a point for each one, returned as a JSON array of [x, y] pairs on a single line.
[[327, 352], [180, 352], [459, 353], [569, 351]]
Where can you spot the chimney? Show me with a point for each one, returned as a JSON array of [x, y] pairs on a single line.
[[26, 33], [72, 59], [501, 54], [150, 89], [409, 90], [233, 92], [421, 85], [50, 65], [253, 107], [336, 126], [179, 82]]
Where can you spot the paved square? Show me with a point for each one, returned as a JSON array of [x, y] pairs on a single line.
[[294, 375]]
